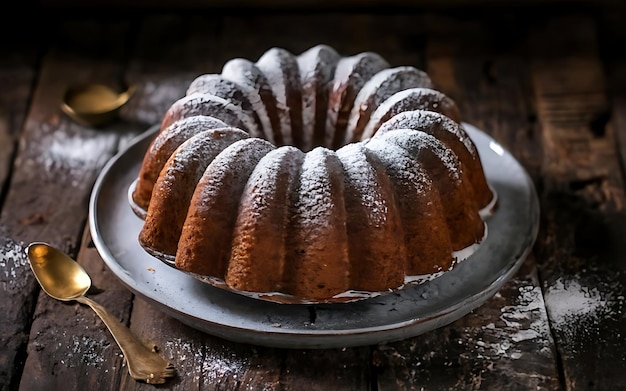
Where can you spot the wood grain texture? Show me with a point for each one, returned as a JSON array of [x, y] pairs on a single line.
[[581, 256], [18, 294], [18, 69], [17, 74]]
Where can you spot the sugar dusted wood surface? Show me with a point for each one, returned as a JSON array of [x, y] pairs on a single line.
[[549, 86]]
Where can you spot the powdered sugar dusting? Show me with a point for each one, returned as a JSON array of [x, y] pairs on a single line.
[[358, 69], [215, 84], [350, 76], [521, 332], [407, 100], [361, 176], [315, 202], [236, 161], [71, 154], [526, 320], [192, 125], [12, 260], [380, 87], [243, 72], [317, 66], [78, 351], [201, 149], [211, 105], [170, 138], [253, 81], [191, 358], [243, 96], [427, 121], [416, 142], [569, 299], [273, 167], [174, 135], [400, 164], [271, 63]]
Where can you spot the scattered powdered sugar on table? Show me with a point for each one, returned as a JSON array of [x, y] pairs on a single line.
[[568, 299], [15, 274], [12, 257], [70, 153], [525, 321], [579, 309], [192, 358], [84, 350], [189, 357], [575, 310]]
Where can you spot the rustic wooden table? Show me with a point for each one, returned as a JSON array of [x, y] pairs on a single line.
[[548, 83]]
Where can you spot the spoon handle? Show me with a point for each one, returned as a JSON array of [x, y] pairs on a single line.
[[143, 363]]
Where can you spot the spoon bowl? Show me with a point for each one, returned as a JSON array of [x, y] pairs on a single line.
[[59, 275], [64, 279], [95, 104]]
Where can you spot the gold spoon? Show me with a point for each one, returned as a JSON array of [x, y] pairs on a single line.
[[64, 279], [95, 104]]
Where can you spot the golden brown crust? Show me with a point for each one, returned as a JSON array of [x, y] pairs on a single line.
[[455, 192], [205, 242], [175, 186], [317, 264], [426, 236], [257, 260], [375, 234], [162, 147], [454, 137]]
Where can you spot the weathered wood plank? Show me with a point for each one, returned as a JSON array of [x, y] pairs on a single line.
[[581, 258], [17, 308], [506, 343], [17, 73], [57, 164]]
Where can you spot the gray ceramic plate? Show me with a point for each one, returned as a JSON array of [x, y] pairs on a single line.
[[389, 317]]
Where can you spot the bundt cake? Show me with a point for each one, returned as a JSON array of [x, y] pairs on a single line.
[[313, 176]]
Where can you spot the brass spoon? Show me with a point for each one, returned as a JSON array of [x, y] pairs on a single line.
[[95, 104], [64, 279]]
